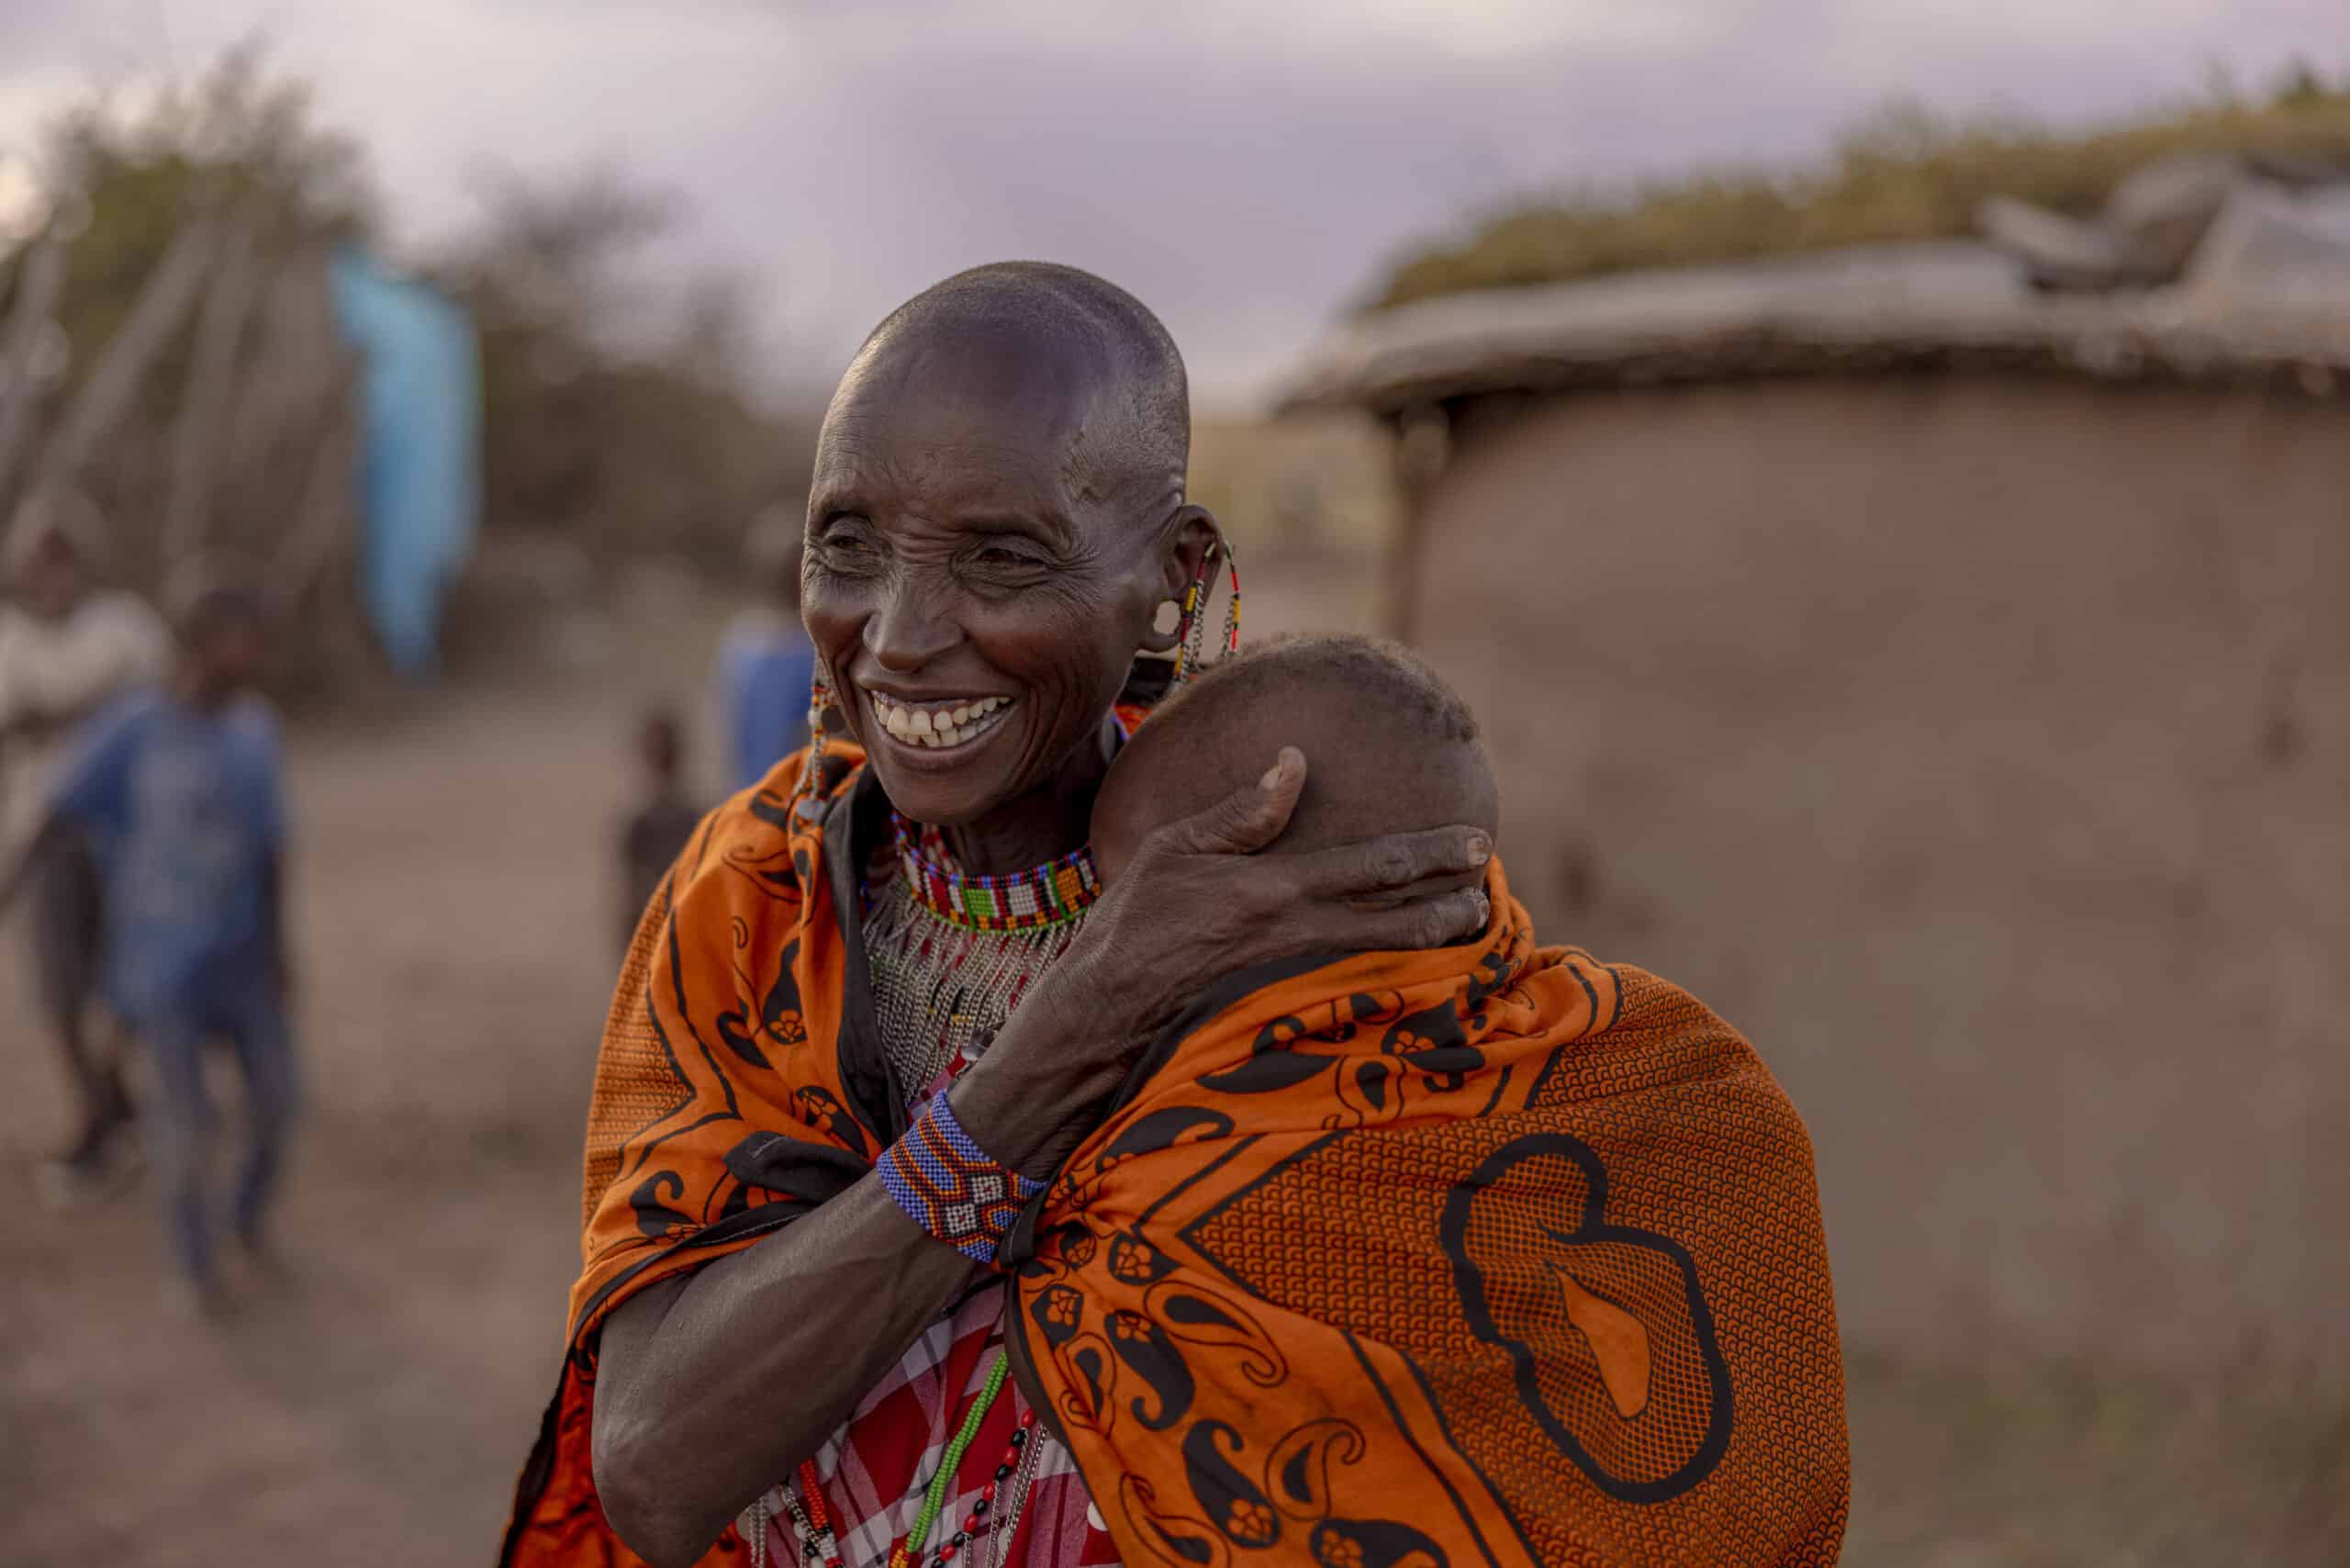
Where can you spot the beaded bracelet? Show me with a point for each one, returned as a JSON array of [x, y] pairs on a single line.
[[948, 1185]]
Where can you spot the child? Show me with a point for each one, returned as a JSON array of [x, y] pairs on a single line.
[[1389, 748], [180, 791], [1565, 1186], [68, 646], [656, 834]]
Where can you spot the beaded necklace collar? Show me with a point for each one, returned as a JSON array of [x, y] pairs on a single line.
[[1043, 896]]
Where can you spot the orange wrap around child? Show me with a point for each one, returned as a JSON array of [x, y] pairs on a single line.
[[1492, 1254], [1496, 1254]]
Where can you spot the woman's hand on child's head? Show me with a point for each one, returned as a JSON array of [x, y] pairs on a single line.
[[1199, 899]]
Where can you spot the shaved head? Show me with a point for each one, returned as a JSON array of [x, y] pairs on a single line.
[[1389, 748], [1105, 348]]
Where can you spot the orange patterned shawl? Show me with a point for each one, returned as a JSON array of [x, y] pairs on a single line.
[[733, 1094], [1493, 1255], [1487, 1255]]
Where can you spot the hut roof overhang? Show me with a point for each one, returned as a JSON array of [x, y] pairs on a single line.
[[1958, 305]]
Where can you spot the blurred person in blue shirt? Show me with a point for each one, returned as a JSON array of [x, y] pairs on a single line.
[[180, 791], [764, 662]]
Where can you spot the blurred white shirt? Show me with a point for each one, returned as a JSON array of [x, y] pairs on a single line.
[[110, 643]]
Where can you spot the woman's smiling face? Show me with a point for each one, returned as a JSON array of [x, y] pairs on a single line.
[[976, 589]]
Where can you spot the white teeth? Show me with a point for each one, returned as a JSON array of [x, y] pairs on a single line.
[[936, 727]]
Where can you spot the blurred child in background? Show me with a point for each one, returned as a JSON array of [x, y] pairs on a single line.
[[179, 788], [656, 833], [766, 661], [68, 646]]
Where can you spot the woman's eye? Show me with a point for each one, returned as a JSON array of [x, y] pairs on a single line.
[[846, 544], [1003, 556]]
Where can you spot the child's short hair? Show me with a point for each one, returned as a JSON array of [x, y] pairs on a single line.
[[208, 593], [1389, 675], [1389, 747]]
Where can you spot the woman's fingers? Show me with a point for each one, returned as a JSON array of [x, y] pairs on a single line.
[[1426, 887], [1443, 921], [1397, 862], [1247, 819]]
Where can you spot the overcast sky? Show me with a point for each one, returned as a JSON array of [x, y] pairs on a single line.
[[1246, 166]]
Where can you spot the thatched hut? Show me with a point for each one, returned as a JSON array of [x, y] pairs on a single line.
[[1951, 682]]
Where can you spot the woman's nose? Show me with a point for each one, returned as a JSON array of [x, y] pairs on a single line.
[[910, 628]]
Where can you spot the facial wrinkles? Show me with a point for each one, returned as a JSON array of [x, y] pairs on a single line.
[[883, 472], [928, 615], [933, 467]]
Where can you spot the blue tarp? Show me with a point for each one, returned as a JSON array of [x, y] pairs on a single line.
[[420, 459]]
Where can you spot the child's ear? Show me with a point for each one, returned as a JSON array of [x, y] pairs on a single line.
[[1181, 548]]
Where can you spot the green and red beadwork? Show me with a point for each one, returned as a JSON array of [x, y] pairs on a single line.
[[1036, 900]]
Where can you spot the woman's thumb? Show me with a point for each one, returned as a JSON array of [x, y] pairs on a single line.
[[1250, 818]]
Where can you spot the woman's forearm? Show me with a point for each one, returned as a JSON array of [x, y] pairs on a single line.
[[711, 1390]]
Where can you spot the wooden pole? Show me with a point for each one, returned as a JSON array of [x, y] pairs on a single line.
[[197, 438], [39, 284], [1423, 440], [163, 299], [321, 523]]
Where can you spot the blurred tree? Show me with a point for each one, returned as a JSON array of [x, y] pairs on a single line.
[[147, 195], [239, 139], [625, 436], [622, 435]]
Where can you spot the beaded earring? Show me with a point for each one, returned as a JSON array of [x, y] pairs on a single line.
[[821, 699], [1191, 628]]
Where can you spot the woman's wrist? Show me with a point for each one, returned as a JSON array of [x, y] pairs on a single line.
[[1042, 1077], [1019, 1117], [959, 1192]]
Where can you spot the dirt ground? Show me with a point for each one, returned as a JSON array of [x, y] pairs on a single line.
[[374, 1404], [456, 933]]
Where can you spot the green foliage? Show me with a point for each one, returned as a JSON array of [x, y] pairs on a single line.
[[1901, 175], [626, 440], [239, 140]]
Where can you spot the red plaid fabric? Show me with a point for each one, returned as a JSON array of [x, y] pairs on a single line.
[[875, 1469]]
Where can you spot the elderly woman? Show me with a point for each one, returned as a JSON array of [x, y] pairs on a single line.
[[881, 996]]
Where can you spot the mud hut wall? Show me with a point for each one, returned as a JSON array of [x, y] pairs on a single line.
[[1982, 748]]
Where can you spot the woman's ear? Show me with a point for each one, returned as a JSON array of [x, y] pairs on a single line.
[[1184, 540]]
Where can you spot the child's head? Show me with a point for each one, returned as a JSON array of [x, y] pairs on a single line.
[[53, 547], [661, 745], [1389, 748], [223, 630]]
